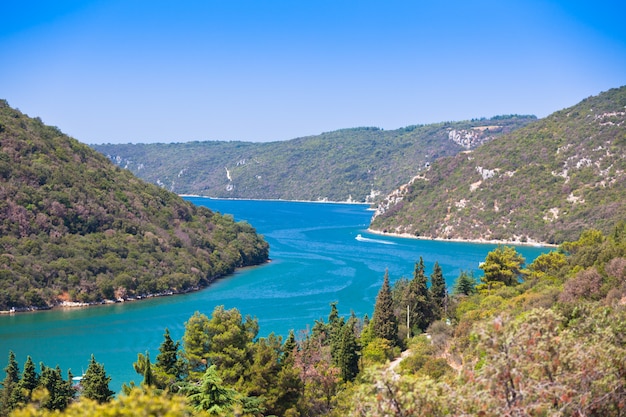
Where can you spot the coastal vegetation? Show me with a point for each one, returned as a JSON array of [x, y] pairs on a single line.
[[546, 182], [544, 339], [359, 164], [76, 228]]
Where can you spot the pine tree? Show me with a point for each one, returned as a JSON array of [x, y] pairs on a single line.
[[289, 346], [196, 342], [385, 323], [167, 359], [465, 284], [60, 392], [437, 289], [8, 385], [24, 388], [95, 383], [211, 395]]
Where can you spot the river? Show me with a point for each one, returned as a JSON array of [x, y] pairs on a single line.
[[316, 259]]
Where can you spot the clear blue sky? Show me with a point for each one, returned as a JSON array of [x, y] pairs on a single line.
[[124, 71]]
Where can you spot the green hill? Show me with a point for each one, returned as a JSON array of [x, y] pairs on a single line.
[[351, 164], [545, 182], [74, 227]]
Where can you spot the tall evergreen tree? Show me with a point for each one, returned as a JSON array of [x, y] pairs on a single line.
[[148, 377], [348, 355], [95, 383], [167, 359], [438, 290], [385, 323], [24, 388], [8, 384], [60, 391], [418, 299], [289, 346]]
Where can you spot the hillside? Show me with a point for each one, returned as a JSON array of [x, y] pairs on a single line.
[[545, 182], [74, 227], [351, 164]]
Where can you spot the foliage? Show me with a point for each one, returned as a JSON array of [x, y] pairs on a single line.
[[465, 284], [348, 164], [541, 348], [503, 264], [136, 403], [74, 227], [210, 394], [384, 322], [95, 383], [546, 182], [438, 290]]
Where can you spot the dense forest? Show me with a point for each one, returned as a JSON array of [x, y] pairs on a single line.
[[546, 182], [76, 228], [544, 339], [359, 164]]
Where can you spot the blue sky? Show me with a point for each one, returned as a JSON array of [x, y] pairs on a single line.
[[123, 71]]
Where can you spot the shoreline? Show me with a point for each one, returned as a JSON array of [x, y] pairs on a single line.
[[273, 199], [459, 240], [69, 305]]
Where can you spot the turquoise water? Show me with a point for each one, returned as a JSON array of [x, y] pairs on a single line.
[[315, 260]]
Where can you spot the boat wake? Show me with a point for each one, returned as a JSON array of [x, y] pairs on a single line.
[[366, 239]]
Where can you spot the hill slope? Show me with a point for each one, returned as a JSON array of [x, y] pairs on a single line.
[[546, 182], [75, 227], [350, 164]]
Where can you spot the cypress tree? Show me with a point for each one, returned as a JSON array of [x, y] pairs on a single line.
[[385, 323], [437, 289], [347, 355], [95, 383], [148, 377], [418, 299]]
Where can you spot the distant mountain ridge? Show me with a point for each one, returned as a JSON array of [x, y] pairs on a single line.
[[76, 228], [546, 182], [358, 164]]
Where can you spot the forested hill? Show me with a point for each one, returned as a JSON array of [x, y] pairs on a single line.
[[350, 164], [74, 227], [546, 182]]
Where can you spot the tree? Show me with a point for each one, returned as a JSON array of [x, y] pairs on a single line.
[[24, 388], [465, 284], [8, 384], [230, 338], [167, 359], [210, 395], [169, 368], [418, 299], [385, 324], [196, 343], [438, 290], [60, 391], [95, 383], [347, 354], [503, 264], [289, 345]]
